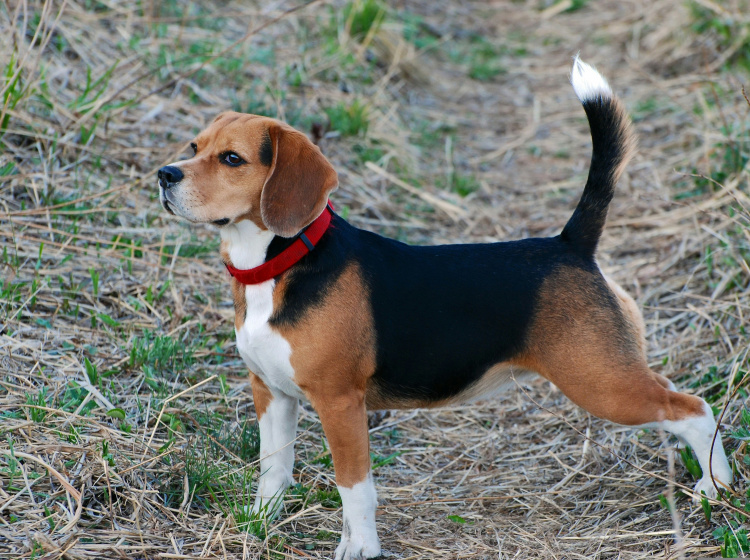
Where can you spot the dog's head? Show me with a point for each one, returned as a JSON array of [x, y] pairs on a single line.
[[247, 167]]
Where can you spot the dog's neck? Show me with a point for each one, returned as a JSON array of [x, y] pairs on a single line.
[[245, 244]]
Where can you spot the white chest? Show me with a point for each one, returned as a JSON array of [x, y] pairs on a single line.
[[264, 350]]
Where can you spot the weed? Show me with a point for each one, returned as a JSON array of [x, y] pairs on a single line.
[[380, 461], [691, 462], [106, 454], [238, 502], [734, 541], [349, 120], [417, 32], [665, 503], [48, 517], [91, 372], [12, 91], [92, 91], [324, 457], [706, 507], [733, 535], [362, 17], [725, 30], [714, 382], [73, 399], [152, 298], [366, 153], [13, 468], [94, 281], [37, 550], [301, 496], [484, 63], [463, 185], [193, 249], [158, 354], [575, 5], [243, 440], [38, 403]]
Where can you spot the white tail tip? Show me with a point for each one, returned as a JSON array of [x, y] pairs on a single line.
[[587, 82]]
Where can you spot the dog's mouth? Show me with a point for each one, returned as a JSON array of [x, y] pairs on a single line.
[[167, 206], [165, 202], [171, 208]]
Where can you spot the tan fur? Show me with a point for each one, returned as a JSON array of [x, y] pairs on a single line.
[[262, 396], [333, 346], [344, 419], [630, 309], [333, 355], [629, 140], [582, 341]]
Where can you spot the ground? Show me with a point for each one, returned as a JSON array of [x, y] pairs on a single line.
[[126, 417]]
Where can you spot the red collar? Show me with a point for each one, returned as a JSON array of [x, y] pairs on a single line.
[[305, 242]]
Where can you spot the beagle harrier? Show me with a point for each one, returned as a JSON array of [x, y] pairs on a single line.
[[349, 320]]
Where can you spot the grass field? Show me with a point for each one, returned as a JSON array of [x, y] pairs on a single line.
[[127, 425]]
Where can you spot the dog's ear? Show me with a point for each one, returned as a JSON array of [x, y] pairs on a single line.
[[298, 183]]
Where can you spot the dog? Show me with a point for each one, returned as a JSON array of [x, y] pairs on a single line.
[[349, 320]]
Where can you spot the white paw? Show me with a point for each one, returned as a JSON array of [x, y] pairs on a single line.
[[357, 547], [722, 476], [705, 486]]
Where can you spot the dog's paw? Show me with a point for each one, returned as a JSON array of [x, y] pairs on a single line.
[[706, 488], [358, 547]]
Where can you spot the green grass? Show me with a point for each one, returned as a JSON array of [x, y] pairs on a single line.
[[727, 30], [484, 60], [13, 91], [461, 184], [349, 119], [39, 403], [154, 354], [362, 17], [302, 496], [214, 462]]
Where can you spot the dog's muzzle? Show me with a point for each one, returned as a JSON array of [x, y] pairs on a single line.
[[169, 176]]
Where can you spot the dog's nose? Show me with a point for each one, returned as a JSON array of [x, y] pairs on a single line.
[[169, 176]]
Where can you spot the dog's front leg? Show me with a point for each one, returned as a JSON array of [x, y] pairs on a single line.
[[344, 419], [277, 420]]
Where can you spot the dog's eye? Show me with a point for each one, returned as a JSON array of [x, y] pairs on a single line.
[[194, 146], [231, 159]]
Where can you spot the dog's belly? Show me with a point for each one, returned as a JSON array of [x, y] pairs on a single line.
[[264, 350], [499, 378]]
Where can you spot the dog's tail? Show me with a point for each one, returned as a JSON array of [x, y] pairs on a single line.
[[613, 144]]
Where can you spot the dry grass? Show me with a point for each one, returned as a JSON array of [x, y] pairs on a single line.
[[111, 452]]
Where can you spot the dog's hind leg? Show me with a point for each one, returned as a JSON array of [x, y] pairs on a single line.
[[585, 343], [633, 396], [277, 420], [631, 312]]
